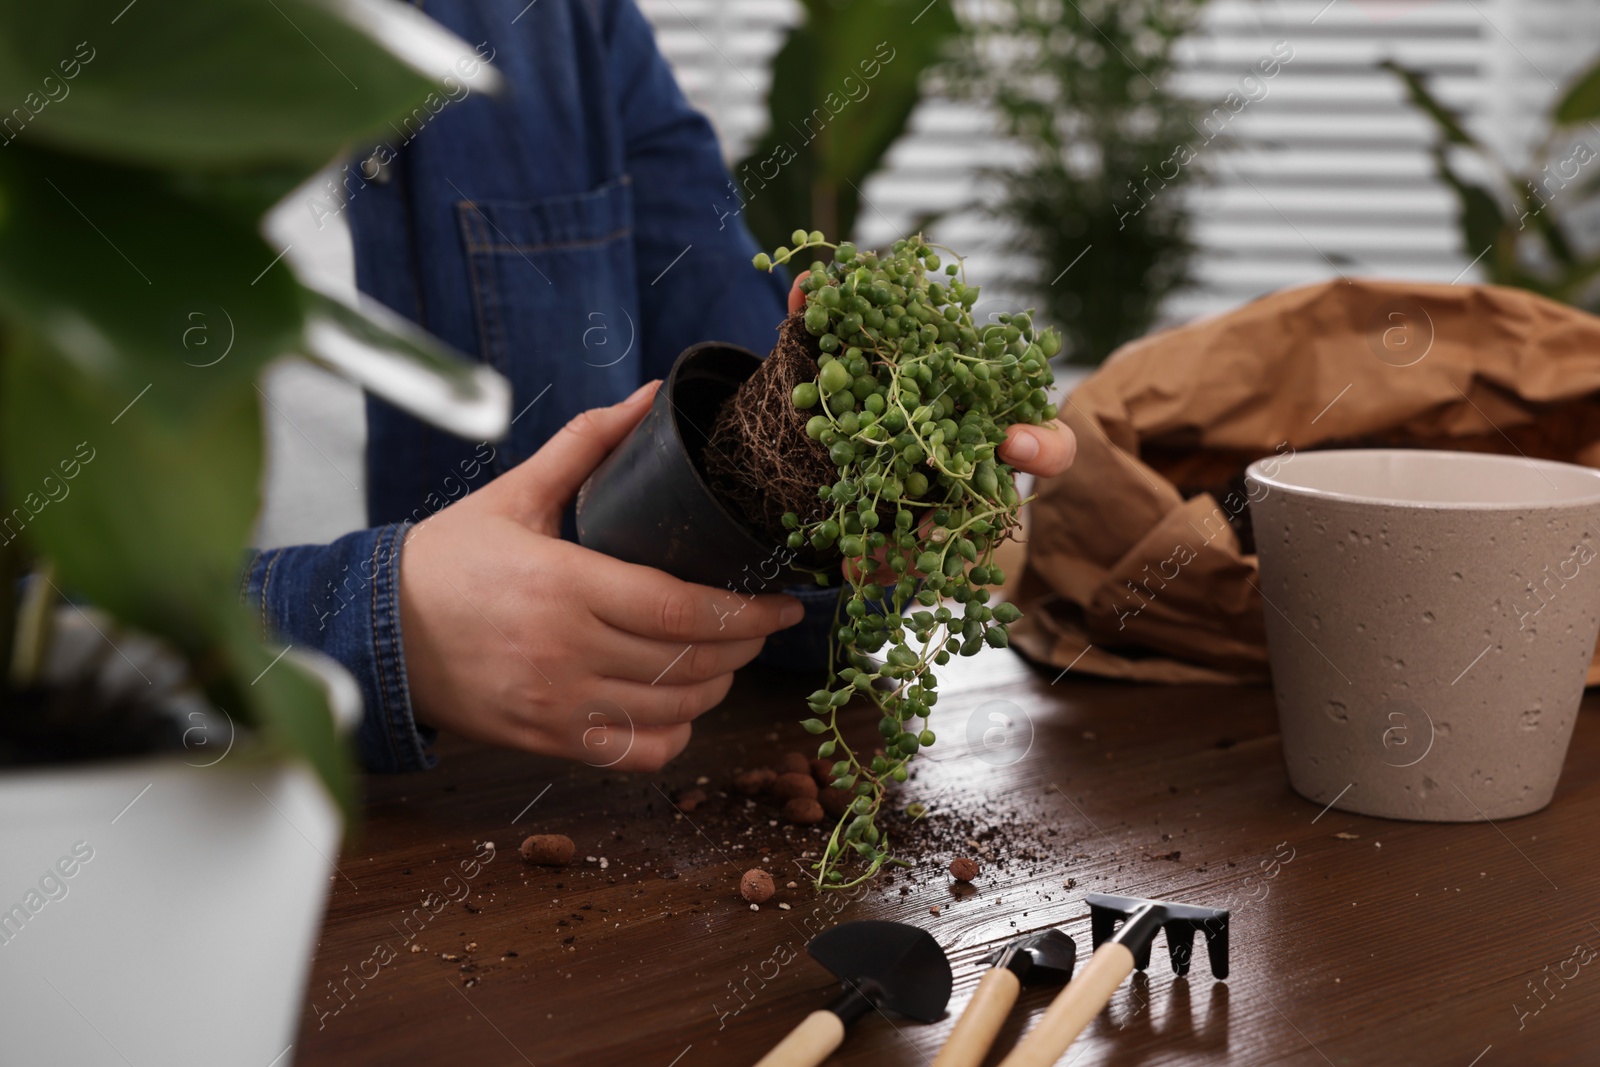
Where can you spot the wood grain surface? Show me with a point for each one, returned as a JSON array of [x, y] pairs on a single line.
[[1354, 940]]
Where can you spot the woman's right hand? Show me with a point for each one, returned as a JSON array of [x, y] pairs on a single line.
[[517, 637]]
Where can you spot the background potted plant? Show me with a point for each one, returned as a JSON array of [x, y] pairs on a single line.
[[1098, 204], [1524, 225], [170, 782], [845, 83], [868, 436]]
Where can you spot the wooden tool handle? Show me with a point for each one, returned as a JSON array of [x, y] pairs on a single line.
[[1088, 992], [807, 1044], [981, 1019]]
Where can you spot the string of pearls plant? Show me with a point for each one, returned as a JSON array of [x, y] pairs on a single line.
[[911, 398]]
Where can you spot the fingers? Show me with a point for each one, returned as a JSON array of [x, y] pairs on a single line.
[[553, 474], [653, 748], [621, 747], [623, 725], [1041, 450], [648, 603], [635, 659], [797, 299], [666, 705]]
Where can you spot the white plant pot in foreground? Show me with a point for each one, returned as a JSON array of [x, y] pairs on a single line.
[[1430, 617], [161, 911]]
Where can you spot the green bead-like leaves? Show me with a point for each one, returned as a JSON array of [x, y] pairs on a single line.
[[912, 398], [834, 377]]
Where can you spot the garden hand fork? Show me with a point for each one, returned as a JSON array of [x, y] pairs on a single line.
[[1117, 952]]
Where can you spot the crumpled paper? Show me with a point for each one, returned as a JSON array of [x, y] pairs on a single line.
[[1141, 561]]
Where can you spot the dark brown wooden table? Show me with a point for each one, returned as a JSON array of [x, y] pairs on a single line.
[[1355, 940]]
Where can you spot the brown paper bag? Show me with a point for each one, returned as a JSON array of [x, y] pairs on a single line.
[[1141, 561]]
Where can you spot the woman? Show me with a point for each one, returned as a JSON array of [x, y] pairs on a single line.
[[573, 234]]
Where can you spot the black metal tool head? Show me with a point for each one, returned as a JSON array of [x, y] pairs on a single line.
[[1181, 922], [1043, 958], [893, 966]]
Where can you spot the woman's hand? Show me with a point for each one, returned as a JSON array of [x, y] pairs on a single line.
[[515, 636]]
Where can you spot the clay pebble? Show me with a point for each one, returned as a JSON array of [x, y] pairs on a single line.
[[835, 801], [753, 782], [756, 886], [792, 785], [793, 763], [548, 850], [804, 811]]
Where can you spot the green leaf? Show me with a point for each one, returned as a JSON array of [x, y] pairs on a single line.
[[1448, 121], [843, 87], [853, 142], [290, 704], [144, 516], [1581, 102], [198, 83], [1569, 288], [392, 358], [245, 195], [1547, 223], [1483, 225], [148, 293]]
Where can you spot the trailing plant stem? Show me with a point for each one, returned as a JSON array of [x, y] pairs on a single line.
[[915, 397]]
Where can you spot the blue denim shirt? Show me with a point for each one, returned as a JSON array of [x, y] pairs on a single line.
[[576, 235]]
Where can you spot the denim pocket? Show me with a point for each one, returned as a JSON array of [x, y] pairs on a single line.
[[556, 304]]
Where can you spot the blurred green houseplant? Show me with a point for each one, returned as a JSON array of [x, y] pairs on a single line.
[[1096, 205], [844, 85], [141, 146], [1517, 222]]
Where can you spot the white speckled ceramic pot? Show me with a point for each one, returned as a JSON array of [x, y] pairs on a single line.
[[1430, 620]]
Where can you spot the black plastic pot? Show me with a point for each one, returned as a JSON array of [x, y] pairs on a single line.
[[649, 502]]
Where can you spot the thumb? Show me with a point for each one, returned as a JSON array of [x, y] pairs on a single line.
[[551, 476], [797, 299]]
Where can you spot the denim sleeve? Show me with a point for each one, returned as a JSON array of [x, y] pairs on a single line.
[[343, 599], [692, 249]]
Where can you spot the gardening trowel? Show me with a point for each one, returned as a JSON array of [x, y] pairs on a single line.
[[1117, 951], [881, 965], [1042, 959]]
